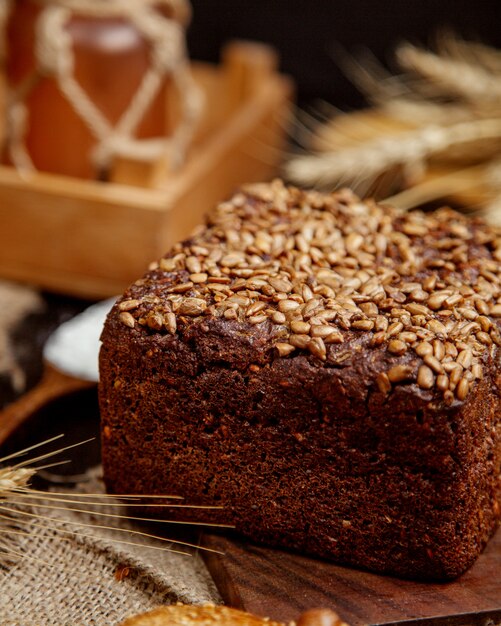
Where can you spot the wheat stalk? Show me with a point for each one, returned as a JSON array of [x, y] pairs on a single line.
[[472, 51], [455, 76], [383, 153], [22, 508], [438, 120]]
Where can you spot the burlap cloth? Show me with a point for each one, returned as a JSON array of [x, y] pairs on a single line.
[[68, 580]]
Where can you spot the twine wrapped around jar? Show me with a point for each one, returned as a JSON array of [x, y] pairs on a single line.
[[57, 25]]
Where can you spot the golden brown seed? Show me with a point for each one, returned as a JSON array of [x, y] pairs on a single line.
[[467, 313], [408, 337], [311, 307], [334, 337], [484, 338], [485, 323], [381, 323], [496, 310], [182, 288], [353, 242], [453, 300], [263, 242], [418, 295], [468, 328], [230, 314], [284, 349], [155, 321], [496, 337], [307, 293], [327, 316], [219, 289], [231, 260], [434, 363], [437, 327], [451, 350], [477, 371], [438, 349], [317, 347], [363, 324], [278, 317], [299, 341], [288, 305], [481, 306], [462, 389], [464, 358], [399, 373], [300, 328], [395, 329], [380, 243], [430, 283], [414, 229], [280, 284], [417, 309], [398, 347], [167, 265], [193, 265], [127, 319], [369, 308], [199, 278], [424, 348], [425, 377], [455, 375], [442, 382], [200, 250], [256, 283], [378, 339], [257, 319], [223, 280], [321, 331], [383, 382], [170, 322], [436, 300], [128, 305], [192, 306], [254, 308]]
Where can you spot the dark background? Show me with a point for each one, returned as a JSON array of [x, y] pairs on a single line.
[[306, 32]]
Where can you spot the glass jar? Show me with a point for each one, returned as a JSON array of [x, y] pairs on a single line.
[[111, 57]]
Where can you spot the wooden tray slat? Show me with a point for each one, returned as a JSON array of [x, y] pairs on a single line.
[[93, 239]]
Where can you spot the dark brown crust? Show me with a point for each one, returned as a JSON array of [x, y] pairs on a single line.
[[302, 453]]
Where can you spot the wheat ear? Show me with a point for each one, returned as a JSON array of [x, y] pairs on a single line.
[[474, 52], [17, 517], [372, 158], [470, 82]]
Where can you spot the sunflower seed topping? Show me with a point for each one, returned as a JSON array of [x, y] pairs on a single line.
[[329, 269]]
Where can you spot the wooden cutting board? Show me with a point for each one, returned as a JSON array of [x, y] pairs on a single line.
[[282, 585]]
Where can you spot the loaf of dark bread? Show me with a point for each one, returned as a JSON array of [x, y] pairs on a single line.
[[325, 369]]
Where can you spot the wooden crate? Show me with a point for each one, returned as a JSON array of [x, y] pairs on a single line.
[[91, 239]]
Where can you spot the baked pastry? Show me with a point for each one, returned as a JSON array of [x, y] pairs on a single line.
[[205, 615], [208, 614], [327, 370]]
